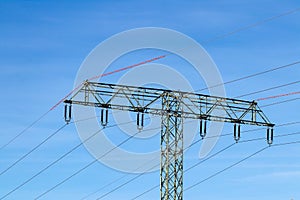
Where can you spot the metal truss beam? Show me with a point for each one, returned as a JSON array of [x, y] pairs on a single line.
[[173, 107], [148, 100]]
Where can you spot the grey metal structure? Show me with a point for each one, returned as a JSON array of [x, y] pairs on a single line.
[[173, 107]]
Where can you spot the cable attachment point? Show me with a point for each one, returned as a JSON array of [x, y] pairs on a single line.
[[270, 134], [237, 132], [68, 114], [140, 121], [203, 128], [104, 117]]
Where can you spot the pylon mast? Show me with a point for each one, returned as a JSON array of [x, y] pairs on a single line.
[[175, 106]]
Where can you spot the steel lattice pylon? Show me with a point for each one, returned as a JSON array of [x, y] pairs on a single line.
[[171, 171], [175, 107]]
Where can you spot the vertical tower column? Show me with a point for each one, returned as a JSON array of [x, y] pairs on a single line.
[[171, 171]]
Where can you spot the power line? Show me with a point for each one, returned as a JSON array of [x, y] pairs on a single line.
[[33, 149], [279, 102], [271, 88], [60, 158], [286, 143], [200, 162], [64, 156], [44, 169], [254, 24], [219, 172], [74, 148], [57, 160], [118, 179], [240, 161], [151, 60], [134, 178], [159, 58], [191, 145], [24, 130], [75, 89], [252, 75], [279, 95], [225, 169], [86, 166], [208, 137]]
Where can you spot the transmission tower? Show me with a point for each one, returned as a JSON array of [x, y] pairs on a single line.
[[175, 107]]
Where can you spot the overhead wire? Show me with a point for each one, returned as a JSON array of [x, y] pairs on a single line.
[[219, 172], [71, 176], [255, 24], [279, 95], [61, 158], [32, 150], [198, 163], [24, 130], [207, 137], [260, 22], [86, 166], [280, 102], [128, 68], [72, 91], [240, 161], [271, 88], [57, 160], [252, 75], [225, 169], [211, 156]]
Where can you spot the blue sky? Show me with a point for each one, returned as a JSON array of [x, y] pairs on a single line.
[[44, 43]]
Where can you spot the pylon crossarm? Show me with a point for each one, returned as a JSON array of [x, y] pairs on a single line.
[[173, 107], [148, 100]]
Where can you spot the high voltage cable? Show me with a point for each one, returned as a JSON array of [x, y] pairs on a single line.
[[86, 166], [70, 93], [208, 137], [137, 176], [58, 160], [45, 168], [279, 102], [235, 80], [151, 60], [279, 95], [219, 172], [209, 157], [24, 130], [213, 86], [195, 165], [116, 180], [137, 65], [240, 161], [33, 149], [283, 135], [225, 169], [156, 166], [73, 174], [251, 75], [254, 24], [271, 88], [92, 163]]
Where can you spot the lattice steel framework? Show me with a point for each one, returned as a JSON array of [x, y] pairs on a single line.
[[175, 106], [171, 173]]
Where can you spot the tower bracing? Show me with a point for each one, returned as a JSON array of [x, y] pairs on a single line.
[[173, 107]]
